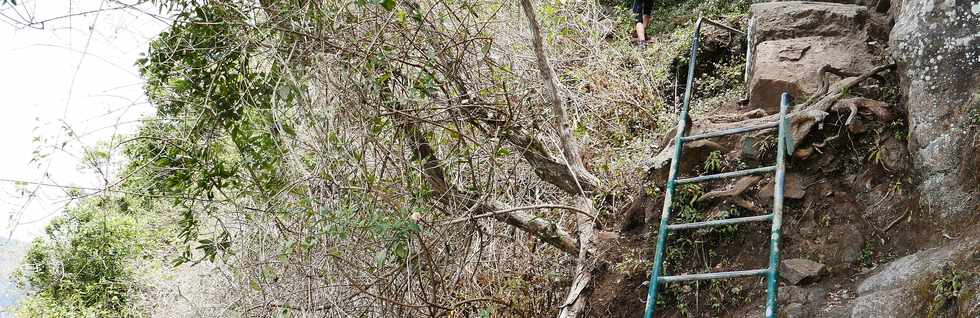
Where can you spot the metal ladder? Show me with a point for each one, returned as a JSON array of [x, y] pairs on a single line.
[[784, 142]]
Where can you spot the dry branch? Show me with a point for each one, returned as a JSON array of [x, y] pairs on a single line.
[[577, 300], [450, 195]]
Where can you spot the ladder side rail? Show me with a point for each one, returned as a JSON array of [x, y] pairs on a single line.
[[662, 231], [675, 167], [777, 207]]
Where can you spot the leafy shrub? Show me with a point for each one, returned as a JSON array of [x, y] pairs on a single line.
[[81, 267]]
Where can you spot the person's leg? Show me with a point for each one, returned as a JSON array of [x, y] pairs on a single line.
[[642, 18], [639, 10], [641, 31]]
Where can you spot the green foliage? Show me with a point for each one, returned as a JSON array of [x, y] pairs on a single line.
[[946, 290], [715, 162], [83, 266], [219, 131], [867, 255], [667, 14], [357, 215]]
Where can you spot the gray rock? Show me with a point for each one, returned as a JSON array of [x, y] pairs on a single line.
[[844, 248], [936, 47], [900, 272], [895, 156], [792, 294], [858, 2], [883, 304], [892, 292], [800, 271]]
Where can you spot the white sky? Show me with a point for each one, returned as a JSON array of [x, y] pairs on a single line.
[[76, 71]]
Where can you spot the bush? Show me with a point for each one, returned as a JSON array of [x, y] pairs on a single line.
[[82, 266]]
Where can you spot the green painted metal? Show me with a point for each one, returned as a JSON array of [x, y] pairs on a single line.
[[777, 209], [784, 142], [682, 119]]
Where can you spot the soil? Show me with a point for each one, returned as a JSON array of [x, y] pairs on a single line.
[[855, 215]]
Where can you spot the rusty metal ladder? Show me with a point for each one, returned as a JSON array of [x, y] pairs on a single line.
[[784, 142]]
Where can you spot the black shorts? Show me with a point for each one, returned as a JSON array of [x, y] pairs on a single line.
[[642, 8]]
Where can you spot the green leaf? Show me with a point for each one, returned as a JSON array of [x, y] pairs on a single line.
[[388, 4]]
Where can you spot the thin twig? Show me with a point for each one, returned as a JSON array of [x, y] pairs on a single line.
[[505, 211]]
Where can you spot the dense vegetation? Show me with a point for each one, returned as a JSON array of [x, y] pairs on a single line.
[[352, 158]]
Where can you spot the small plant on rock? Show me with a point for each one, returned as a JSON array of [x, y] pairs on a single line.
[[715, 162], [946, 290]]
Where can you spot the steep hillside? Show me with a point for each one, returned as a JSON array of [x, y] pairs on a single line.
[[509, 159], [884, 166]]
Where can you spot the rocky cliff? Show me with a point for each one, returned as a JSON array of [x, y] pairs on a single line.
[[936, 46]]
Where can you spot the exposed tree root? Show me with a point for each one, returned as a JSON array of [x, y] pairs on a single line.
[[735, 193], [807, 115], [736, 190]]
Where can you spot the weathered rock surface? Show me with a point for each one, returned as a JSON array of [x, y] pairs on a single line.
[[845, 246], [800, 271], [795, 39], [794, 19], [937, 47], [895, 156], [902, 288]]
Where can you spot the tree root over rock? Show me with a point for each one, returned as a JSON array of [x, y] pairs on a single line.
[[802, 119]]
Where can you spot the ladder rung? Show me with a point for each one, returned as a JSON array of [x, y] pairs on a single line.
[[727, 175], [695, 225], [732, 131], [718, 275]]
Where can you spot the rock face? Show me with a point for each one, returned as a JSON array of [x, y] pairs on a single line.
[[937, 47], [794, 39], [903, 288], [794, 19]]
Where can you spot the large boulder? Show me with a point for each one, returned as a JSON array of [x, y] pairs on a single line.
[[795, 39], [791, 65], [937, 47]]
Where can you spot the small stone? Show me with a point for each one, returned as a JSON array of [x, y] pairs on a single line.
[[856, 127], [792, 188], [800, 271], [803, 153], [895, 156]]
